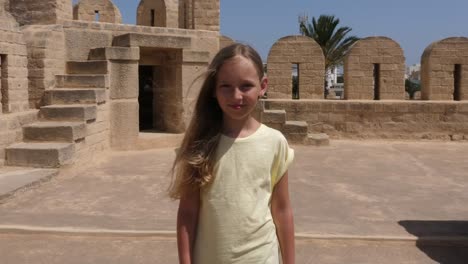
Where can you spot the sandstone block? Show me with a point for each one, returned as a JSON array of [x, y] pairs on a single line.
[[56, 131], [44, 155], [84, 113]]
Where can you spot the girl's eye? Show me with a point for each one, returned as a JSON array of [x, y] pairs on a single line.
[[247, 87]]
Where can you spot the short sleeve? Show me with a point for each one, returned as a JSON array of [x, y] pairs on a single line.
[[283, 158]]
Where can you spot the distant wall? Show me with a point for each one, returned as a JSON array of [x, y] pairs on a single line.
[[380, 119]]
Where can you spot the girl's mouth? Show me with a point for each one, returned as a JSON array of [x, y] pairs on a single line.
[[236, 106]]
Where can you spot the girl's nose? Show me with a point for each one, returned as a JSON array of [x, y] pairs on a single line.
[[237, 93]]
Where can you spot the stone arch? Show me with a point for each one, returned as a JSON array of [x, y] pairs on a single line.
[[158, 13], [374, 69], [439, 64], [225, 41], [308, 55], [87, 10]]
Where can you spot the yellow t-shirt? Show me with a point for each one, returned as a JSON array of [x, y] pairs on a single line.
[[235, 223]]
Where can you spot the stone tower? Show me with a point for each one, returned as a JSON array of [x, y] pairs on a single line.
[[158, 13], [28, 12], [199, 14], [97, 11]]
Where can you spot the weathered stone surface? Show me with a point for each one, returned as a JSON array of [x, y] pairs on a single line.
[[379, 119], [74, 96], [152, 41], [158, 13], [124, 79], [44, 155], [308, 55], [438, 66], [98, 11], [29, 12], [15, 179], [201, 14], [46, 58], [82, 81], [115, 53], [124, 124], [361, 63], [274, 116], [87, 67], [55, 131], [68, 112]]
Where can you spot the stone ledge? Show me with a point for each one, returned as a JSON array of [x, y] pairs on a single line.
[[14, 179], [152, 41]]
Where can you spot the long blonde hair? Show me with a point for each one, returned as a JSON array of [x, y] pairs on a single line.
[[195, 160]]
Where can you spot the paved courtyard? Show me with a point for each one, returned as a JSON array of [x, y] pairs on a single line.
[[354, 202]]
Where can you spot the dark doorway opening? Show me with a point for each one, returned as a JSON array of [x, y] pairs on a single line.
[[376, 81], [145, 97], [457, 82], [4, 83], [152, 17]]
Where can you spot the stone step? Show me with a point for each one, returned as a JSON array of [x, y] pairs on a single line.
[[114, 53], [84, 113], [319, 139], [74, 96], [295, 127], [55, 131], [274, 116], [42, 155], [87, 67], [296, 131], [82, 81]]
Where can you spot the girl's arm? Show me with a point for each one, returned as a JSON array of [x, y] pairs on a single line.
[[283, 218], [187, 219]]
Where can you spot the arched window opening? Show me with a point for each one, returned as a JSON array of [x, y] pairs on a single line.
[[152, 18], [4, 83], [457, 82], [295, 80], [97, 16]]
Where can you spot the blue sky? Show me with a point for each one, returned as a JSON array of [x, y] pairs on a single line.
[[413, 23]]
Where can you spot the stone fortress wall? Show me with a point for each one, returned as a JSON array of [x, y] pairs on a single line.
[[375, 105], [52, 52], [58, 63]]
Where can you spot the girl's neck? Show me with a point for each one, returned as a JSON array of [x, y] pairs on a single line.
[[240, 128]]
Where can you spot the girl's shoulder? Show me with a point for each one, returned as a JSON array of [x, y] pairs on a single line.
[[273, 134]]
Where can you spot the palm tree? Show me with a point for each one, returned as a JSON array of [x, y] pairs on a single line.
[[331, 38]]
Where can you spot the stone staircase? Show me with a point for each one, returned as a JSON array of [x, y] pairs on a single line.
[[295, 131], [69, 107]]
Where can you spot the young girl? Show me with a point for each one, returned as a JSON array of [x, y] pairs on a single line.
[[231, 172]]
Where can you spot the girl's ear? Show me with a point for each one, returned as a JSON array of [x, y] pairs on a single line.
[[263, 86]]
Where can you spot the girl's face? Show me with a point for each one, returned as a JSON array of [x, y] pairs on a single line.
[[238, 87]]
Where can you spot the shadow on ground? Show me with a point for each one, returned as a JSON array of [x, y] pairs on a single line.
[[443, 241]]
